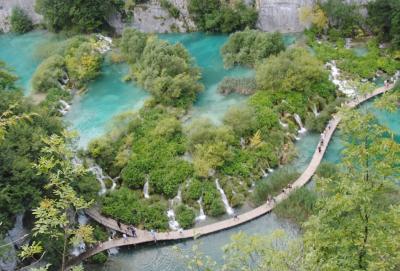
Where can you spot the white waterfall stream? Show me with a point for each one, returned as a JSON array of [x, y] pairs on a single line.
[[202, 216], [264, 173], [64, 107], [173, 224], [79, 248], [300, 123], [146, 190], [228, 208], [343, 85], [98, 172], [284, 125], [315, 110]]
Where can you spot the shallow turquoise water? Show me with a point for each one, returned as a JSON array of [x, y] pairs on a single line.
[[106, 97], [205, 50], [18, 51]]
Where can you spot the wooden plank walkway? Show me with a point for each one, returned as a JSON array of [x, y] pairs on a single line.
[[146, 237]]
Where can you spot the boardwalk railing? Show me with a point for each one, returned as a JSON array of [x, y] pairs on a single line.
[[146, 237]]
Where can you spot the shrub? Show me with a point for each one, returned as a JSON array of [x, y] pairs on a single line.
[[185, 216], [99, 258], [192, 192], [249, 47], [171, 8], [299, 206], [220, 16], [20, 22], [165, 70], [244, 86], [213, 204], [273, 185], [48, 74]]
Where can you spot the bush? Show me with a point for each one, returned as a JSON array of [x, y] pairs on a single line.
[[99, 258], [249, 47], [273, 185], [165, 70], [299, 206], [185, 216], [192, 192], [49, 73], [212, 202], [220, 16], [126, 206], [244, 86], [171, 8], [20, 22]]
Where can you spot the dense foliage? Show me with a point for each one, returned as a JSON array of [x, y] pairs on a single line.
[[72, 65], [164, 69], [364, 66], [243, 85], [384, 20], [77, 15], [344, 18], [126, 206], [222, 16], [20, 22], [248, 47]]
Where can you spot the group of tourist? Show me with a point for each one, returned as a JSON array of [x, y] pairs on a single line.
[[130, 230]]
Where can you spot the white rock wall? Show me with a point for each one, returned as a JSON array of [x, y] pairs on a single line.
[[5, 12]]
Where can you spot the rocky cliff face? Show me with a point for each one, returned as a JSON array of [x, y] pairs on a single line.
[[274, 15], [5, 12]]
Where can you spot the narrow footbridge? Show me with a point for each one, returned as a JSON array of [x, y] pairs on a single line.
[[147, 237]]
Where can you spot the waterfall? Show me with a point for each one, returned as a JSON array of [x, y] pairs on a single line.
[[64, 107], [341, 84], [270, 170], [146, 190], [348, 43], [202, 216], [98, 172], [173, 224], [81, 246], [112, 251], [284, 125], [104, 43], [178, 198], [315, 110], [114, 183], [228, 208], [264, 174], [300, 123]]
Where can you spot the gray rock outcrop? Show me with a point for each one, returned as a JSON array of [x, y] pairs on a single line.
[[6, 7]]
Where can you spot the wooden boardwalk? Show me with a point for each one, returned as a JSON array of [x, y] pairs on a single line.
[[146, 237]]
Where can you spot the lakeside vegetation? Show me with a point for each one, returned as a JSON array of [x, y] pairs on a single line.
[[342, 220]]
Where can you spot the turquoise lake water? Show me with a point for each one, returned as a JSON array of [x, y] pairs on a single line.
[[108, 96], [19, 52]]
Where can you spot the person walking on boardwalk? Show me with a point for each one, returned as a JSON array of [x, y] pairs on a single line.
[[119, 224], [125, 237]]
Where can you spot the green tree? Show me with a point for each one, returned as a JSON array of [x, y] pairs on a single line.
[[77, 15], [53, 215], [249, 47], [357, 224], [20, 22], [384, 19]]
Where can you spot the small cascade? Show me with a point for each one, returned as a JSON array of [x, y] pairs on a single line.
[[348, 43], [79, 248], [284, 125], [103, 44], [270, 170], [264, 174], [202, 216], [315, 110], [253, 185], [300, 123], [65, 107], [228, 208], [98, 172], [173, 224], [114, 183], [112, 251], [146, 190], [178, 197], [343, 85]]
